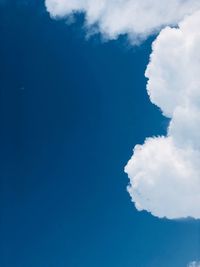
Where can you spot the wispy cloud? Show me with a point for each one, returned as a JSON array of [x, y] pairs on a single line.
[[194, 264]]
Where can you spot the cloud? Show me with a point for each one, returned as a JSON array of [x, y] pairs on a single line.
[[136, 18], [194, 264], [164, 172]]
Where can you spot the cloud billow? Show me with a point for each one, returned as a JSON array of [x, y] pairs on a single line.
[[164, 172], [136, 18]]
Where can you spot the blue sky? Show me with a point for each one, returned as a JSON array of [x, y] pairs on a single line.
[[71, 111]]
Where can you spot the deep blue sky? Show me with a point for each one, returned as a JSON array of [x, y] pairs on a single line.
[[71, 110]]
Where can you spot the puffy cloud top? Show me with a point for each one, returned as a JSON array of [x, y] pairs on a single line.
[[136, 18], [165, 171]]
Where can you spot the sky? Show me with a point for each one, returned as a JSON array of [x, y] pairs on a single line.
[[72, 109]]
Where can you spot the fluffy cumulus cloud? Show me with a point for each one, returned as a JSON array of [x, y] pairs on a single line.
[[165, 172], [136, 18]]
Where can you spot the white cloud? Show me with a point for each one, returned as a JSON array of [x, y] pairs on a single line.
[[136, 18], [165, 172], [194, 264]]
